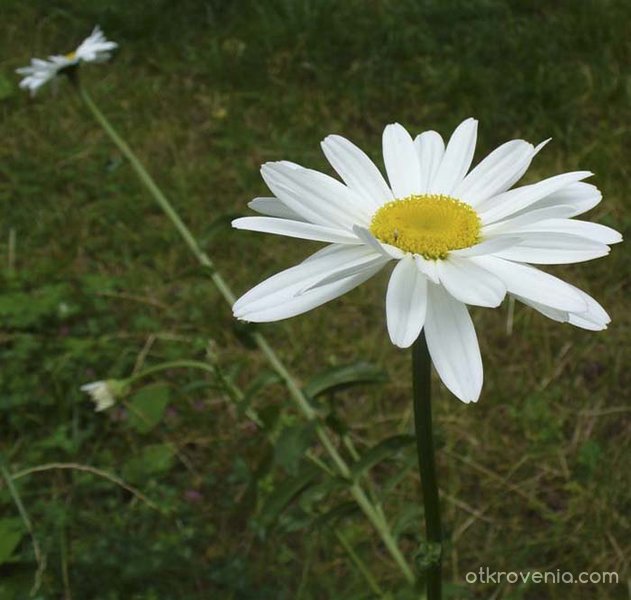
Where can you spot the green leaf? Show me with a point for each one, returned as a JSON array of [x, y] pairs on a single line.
[[147, 407], [341, 377], [387, 448], [314, 497], [285, 493], [11, 533], [291, 446], [340, 511], [152, 460]]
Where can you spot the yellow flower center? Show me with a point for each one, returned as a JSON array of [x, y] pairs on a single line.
[[429, 225], [71, 55]]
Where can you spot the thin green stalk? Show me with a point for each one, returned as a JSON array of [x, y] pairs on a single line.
[[39, 557], [173, 364], [363, 569], [158, 196], [94, 471], [294, 389], [421, 386]]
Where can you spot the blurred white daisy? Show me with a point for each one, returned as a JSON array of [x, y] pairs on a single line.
[[40, 72], [458, 237], [102, 393], [95, 48]]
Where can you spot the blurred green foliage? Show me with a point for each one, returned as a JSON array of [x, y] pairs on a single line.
[[95, 285]]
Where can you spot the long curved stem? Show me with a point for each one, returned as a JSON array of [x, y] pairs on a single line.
[[421, 388], [295, 392]]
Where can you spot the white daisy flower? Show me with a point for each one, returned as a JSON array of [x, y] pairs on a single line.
[[458, 238], [40, 72], [95, 48], [102, 393]]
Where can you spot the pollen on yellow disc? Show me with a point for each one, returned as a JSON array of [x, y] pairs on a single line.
[[429, 225], [71, 55]]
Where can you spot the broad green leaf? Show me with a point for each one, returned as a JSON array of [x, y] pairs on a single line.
[[151, 460], [11, 533], [285, 493], [291, 445], [387, 448], [148, 406], [337, 378]]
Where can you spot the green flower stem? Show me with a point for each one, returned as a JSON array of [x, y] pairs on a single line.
[[421, 388], [158, 196], [296, 393], [173, 364]]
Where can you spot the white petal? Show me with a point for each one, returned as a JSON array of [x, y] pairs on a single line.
[[533, 284], [518, 175], [528, 217], [509, 203], [490, 246], [273, 207], [430, 149], [318, 198], [362, 263], [457, 158], [584, 229], [555, 314], [581, 196], [429, 268], [402, 165], [496, 173], [580, 321], [370, 240], [357, 170], [453, 345], [297, 305], [292, 280], [594, 318], [406, 303], [296, 229], [470, 283], [280, 297], [553, 249]]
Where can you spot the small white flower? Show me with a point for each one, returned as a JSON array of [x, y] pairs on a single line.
[[95, 48], [458, 238], [41, 72], [102, 393]]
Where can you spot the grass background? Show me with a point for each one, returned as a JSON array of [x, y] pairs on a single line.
[[534, 477]]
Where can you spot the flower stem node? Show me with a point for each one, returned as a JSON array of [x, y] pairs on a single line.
[[428, 555]]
